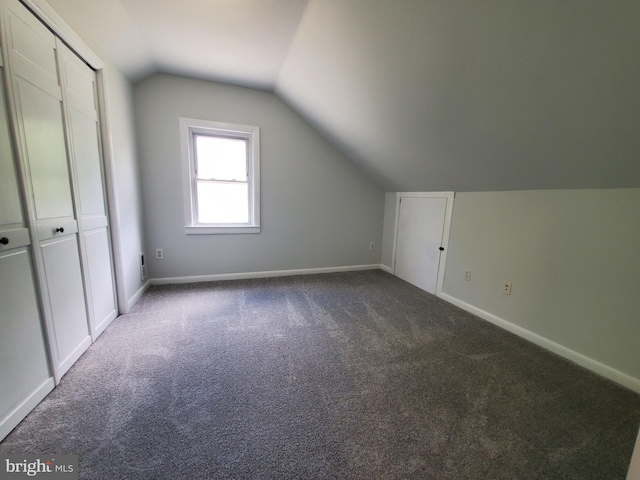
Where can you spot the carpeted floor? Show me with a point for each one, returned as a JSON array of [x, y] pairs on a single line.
[[352, 375]]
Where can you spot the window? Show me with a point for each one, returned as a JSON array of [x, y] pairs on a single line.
[[221, 170]]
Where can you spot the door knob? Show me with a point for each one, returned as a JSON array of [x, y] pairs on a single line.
[[441, 249], [4, 241], [59, 230]]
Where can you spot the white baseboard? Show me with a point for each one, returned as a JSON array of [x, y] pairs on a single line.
[[72, 358], [266, 274], [136, 296], [103, 326], [14, 417], [578, 358], [387, 269]]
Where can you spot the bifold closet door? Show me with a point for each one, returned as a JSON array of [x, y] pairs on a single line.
[[80, 100], [25, 378], [40, 123]]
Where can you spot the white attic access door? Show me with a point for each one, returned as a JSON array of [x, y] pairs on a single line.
[[423, 221]]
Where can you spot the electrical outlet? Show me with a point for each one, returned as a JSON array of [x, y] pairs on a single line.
[[372, 246], [159, 254], [467, 275], [506, 288]]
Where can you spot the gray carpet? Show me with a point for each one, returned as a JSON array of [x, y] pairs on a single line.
[[351, 375]]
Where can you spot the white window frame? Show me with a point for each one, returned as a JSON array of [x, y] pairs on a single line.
[[192, 126]]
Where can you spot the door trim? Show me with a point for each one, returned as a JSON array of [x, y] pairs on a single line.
[[42, 10], [449, 196]]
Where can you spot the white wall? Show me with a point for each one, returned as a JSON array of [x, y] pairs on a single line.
[[573, 257], [317, 209], [127, 194]]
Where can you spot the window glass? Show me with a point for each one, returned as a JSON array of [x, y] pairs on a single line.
[[223, 202], [221, 158]]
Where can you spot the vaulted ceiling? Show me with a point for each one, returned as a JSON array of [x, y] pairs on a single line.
[[423, 95]]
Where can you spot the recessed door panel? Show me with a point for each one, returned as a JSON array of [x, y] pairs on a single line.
[[32, 48], [86, 152], [46, 151], [103, 299], [23, 357], [66, 298], [419, 238]]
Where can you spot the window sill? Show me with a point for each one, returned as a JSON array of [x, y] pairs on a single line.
[[220, 230]]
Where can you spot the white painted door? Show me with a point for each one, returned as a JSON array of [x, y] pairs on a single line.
[[25, 378], [40, 123], [82, 122], [419, 237]]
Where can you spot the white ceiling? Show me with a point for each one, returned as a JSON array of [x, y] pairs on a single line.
[[242, 42], [422, 94]]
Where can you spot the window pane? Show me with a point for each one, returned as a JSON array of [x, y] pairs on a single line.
[[223, 202], [221, 158]]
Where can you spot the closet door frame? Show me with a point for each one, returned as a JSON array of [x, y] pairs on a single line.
[[50, 17], [444, 229]]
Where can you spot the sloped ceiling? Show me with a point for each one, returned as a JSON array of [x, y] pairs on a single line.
[[423, 95]]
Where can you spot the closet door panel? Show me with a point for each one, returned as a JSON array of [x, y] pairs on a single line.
[[66, 298], [25, 376], [78, 81], [23, 357], [32, 48], [40, 116], [46, 151], [87, 163], [99, 275]]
